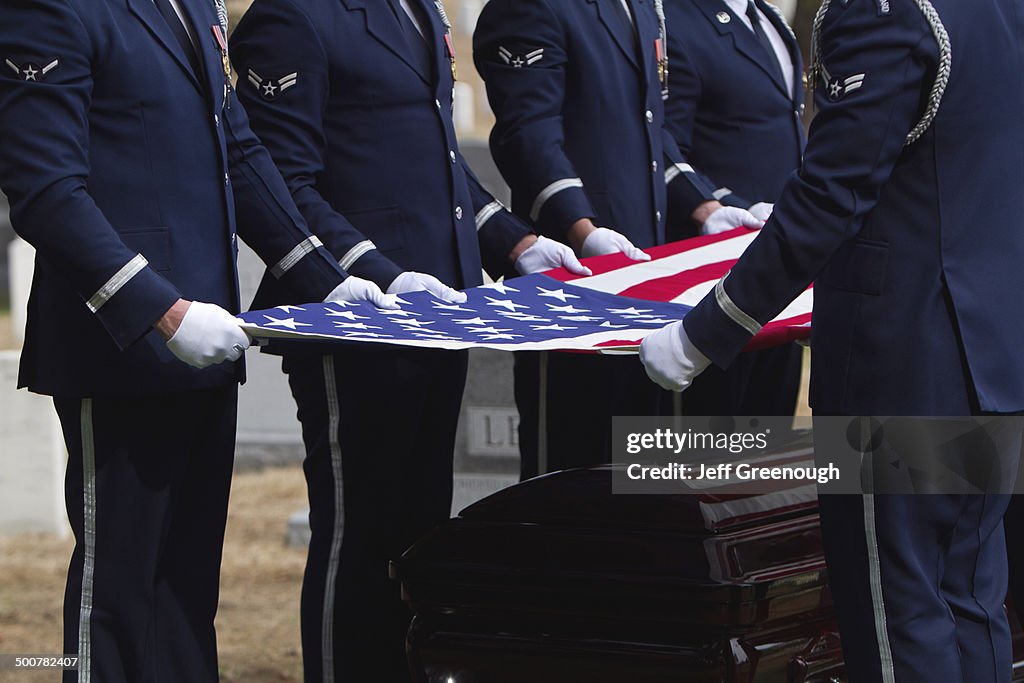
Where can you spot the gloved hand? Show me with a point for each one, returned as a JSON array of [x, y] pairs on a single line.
[[208, 335], [728, 218], [670, 359], [355, 289], [410, 281], [605, 241], [545, 254], [762, 211]]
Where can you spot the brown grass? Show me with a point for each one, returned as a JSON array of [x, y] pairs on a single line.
[[258, 622], [6, 334]]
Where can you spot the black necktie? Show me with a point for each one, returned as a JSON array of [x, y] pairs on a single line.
[[762, 37], [174, 22], [416, 41], [627, 22]]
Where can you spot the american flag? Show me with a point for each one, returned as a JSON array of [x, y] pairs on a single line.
[[609, 311]]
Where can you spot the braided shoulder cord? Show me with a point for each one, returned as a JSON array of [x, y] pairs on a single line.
[[222, 15], [941, 77]]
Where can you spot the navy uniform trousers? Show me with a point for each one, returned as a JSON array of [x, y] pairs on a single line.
[[379, 473], [147, 500], [566, 402], [919, 580]]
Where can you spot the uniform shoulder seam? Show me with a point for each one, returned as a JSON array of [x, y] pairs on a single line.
[[309, 21]]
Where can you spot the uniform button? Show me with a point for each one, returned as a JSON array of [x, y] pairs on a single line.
[[216, 120], [451, 155], [227, 179], [654, 166], [650, 116], [657, 216], [437, 103], [458, 213]]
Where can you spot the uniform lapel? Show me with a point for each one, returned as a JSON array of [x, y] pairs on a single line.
[[744, 40], [209, 50], [794, 51], [149, 15], [435, 33], [608, 12], [384, 27], [648, 31]]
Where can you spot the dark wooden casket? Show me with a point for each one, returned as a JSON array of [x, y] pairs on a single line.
[[556, 580]]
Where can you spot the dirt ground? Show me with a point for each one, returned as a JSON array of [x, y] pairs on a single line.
[[6, 335], [258, 622]]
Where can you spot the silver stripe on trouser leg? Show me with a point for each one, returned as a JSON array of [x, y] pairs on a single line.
[[333, 427], [89, 538]]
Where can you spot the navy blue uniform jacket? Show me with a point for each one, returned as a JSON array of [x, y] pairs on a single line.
[[728, 108], [362, 131], [580, 118], [910, 224], [130, 177]]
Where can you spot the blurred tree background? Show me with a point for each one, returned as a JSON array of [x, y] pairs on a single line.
[[802, 23]]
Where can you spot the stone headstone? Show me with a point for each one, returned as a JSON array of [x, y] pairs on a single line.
[[32, 458], [20, 265], [6, 235], [269, 433]]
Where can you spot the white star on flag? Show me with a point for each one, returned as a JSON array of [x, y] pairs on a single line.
[[499, 287], [566, 309], [474, 321], [289, 309], [496, 337], [520, 317], [555, 327], [629, 311], [556, 294], [488, 330], [287, 322], [348, 315], [452, 307], [355, 326], [504, 303]]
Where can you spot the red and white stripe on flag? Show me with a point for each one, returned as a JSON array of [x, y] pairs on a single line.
[[684, 272]]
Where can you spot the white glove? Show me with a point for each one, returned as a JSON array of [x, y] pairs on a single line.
[[605, 241], [762, 211], [419, 282], [670, 359], [355, 289], [729, 218], [545, 254], [208, 335]]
